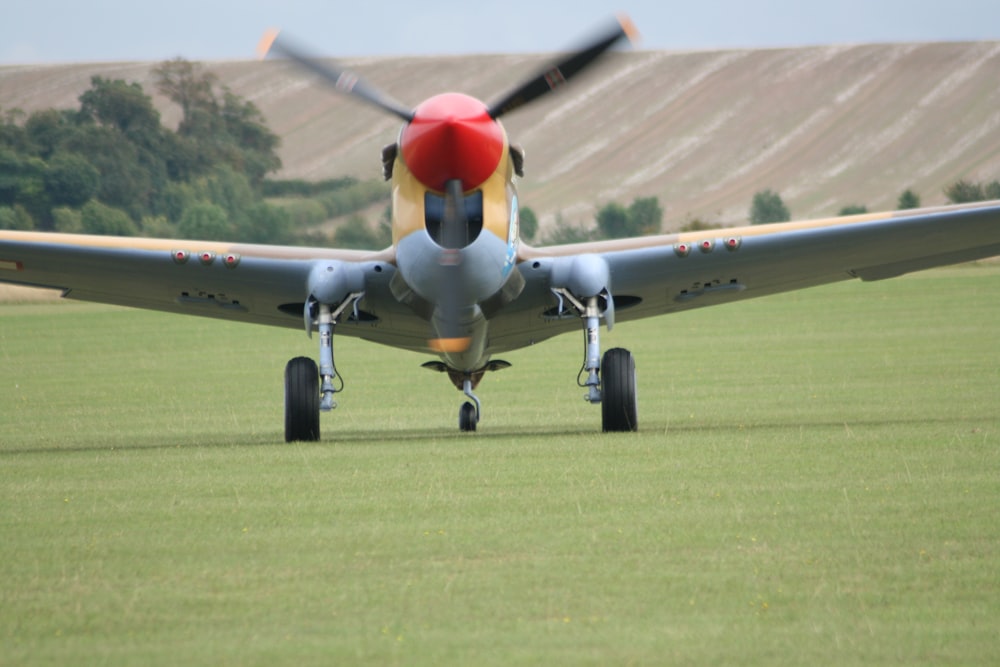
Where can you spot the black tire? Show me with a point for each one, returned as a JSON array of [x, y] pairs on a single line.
[[467, 417], [619, 411], [301, 400]]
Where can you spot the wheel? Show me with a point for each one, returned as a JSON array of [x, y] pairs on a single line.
[[618, 403], [467, 417], [301, 400]]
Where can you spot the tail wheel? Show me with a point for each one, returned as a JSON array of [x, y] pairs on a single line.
[[301, 400], [619, 411], [467, 417]]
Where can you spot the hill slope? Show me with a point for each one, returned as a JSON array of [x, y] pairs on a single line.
[[824, 126]]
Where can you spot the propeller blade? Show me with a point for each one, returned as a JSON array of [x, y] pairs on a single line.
[[558, 74], [343, 80], [454, 237]]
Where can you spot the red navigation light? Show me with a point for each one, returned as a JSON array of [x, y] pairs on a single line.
[[452, 136]]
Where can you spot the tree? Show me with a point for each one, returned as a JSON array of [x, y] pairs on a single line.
[[232, 130], [644, 216], [355, 233], [768, 207], [70, 180], [125, 182], [908, 199], [184, 83], [47, 130], [258, 145], [15, 217], [124, 106], [67, 220], [564, 233], [12, 135], [963, 191], [22, 182], [98, 218], [612, 221], [263, 223], [205, 221], [853, 209]]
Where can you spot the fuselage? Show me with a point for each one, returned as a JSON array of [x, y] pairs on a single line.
[[452, 137]]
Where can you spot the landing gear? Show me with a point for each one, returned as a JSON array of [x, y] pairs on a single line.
[[468, 414], [466, 382], [309, 388], [619, 412], [610, 380], [301, 400], [468, 417]]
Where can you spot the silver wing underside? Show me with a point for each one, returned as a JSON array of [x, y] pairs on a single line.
[[648, 276]]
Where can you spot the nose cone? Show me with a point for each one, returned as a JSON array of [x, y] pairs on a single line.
[[452, 136]]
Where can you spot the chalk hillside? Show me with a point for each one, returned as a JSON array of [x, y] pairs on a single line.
[[702, 131]]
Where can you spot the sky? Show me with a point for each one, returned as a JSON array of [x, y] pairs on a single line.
[[61, 31]]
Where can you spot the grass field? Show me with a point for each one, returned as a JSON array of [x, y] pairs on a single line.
[[816, 481]]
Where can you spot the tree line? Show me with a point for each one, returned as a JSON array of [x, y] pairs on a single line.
[[111, 167], [644, 215]]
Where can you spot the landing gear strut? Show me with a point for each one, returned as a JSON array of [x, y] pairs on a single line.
[[609, 381], [309, 389], [468, 414]]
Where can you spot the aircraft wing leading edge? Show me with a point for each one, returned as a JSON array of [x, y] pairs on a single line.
[[669, 273]]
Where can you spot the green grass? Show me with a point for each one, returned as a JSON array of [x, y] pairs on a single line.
[[816, 480]]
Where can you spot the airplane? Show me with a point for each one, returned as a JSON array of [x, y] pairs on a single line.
[[457, 281]]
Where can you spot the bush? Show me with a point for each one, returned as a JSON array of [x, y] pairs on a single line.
[[563, 233], [67, 220], [302, 212], [698, 225], [354, 197], [15, 217], [70, 180], [766, 207], [264, 223], [98, 218], [908, 199], [205, 222], [297, 187], [356, 234]]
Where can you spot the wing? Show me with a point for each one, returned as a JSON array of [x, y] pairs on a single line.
[[664, 274], [245, 283]]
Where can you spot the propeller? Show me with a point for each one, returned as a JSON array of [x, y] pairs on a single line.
[[343, 80], [556, 75]]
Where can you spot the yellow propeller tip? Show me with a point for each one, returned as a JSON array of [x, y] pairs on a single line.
[[449, 344], [628, 27], [266, 42]]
